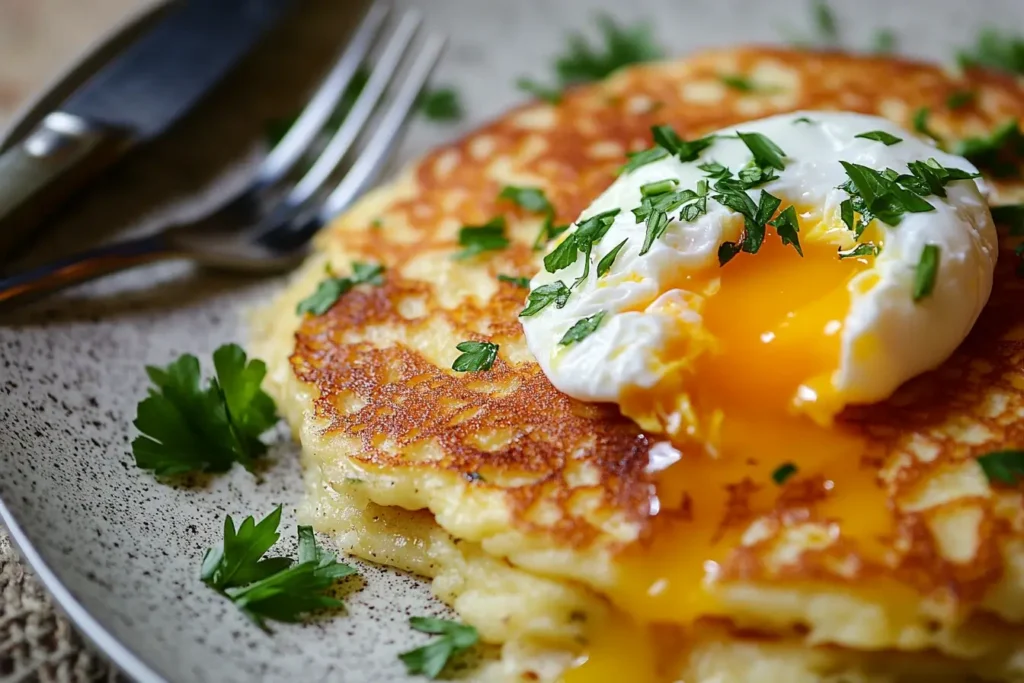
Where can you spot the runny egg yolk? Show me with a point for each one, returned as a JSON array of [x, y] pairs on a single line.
[[763, 395]]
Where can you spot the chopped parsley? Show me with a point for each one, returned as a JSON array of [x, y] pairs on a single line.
[[787, 225], [880, 195], [783, 472], [476, 356], [1004, 467], [333, 287], [534, 199], [642, 158], [766, 153], [605, 264], [659, 187], [431, 659], [271, 588], [960, 99], [741, 83], [523, 282], [863, 249], [587, 233], [884, 41], [997, 152], [582, 329], [714, 169], [584, 62], [441, 104], [756, 217], [995, 50], [886, 139], [478, 239], [927, 269], [687, 150], [825, 23], [654, 211], [804, 119], [920, 121], [554, 293], [185, 428]]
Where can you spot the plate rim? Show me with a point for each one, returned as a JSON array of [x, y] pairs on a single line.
[[28, 115]]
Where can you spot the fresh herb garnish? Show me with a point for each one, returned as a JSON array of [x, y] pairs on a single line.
[[659, 187], [714, 169], [927, 269], [741, 83], [185, 428], [582, 329], [584, 62], [476, 356], [605, 264], [787, 225], [756, 217], [995, 50], [587, 233], [886, 139], [1005, 467], [825, 23], [271, 588], [654, 211], [431, 659], [766, 153], [543, 92], [920, 122], [330, 289], [440, 104], [877, 194], [554, 293], [960, 99], [687, 150], [884, 41], [523, 282], [478, 239], [534, 199], [642, 158], [783, 472], [863, 249], [804, 119], [997, 152]]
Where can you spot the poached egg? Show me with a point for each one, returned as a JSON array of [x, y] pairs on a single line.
[[687, 342]]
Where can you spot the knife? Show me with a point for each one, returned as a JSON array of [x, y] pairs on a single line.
[[133, 98]]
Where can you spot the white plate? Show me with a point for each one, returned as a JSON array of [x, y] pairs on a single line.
[[121, 552]]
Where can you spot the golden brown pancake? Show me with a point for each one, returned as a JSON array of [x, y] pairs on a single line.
[[528, 507]]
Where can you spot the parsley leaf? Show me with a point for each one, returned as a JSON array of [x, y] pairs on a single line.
[[783, 472], [440, 104], [562, 256], [534, 199], [879, 195], [726, 252], [523, 282], [660, 187], [431, 659], [185, 428], [960, 99], [332, 288], [605, 264], [766, 153], [863, 249], [927, 269], [478, 239], [271, 588], [642, 158], [476, 356], [1005, 467], [995, 50], [920, 122], [788, 225], [584, 62], [825, 23], [886, 139], [997, 152], [740, 83], [582, 329], [804, 119], [554, 293]]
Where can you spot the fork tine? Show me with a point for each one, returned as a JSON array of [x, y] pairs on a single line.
[[373, 157], [382, 75], [314, 117]]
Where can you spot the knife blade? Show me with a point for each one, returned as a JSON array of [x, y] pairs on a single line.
[[136, 96]]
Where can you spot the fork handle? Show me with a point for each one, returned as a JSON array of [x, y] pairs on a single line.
[[88, 265]]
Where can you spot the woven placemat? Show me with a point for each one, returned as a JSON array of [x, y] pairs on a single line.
[[37, 643]]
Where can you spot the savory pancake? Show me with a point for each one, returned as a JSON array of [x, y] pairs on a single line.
[[541, 518]]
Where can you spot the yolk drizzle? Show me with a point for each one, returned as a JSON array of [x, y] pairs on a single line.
[[776, 320]]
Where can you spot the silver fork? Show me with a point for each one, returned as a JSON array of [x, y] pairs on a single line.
[[253, 232]]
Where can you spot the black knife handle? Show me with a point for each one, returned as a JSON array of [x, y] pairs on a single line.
[[41, 171]]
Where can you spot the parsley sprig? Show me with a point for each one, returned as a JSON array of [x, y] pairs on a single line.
[[584, 62], [186, 428], [431, 659], [582, 329], [476, 356], [588, 232], [477, 239], [331, 288], [271, 588], [553, 293]]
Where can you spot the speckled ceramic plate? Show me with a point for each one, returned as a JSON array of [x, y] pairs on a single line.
[[121, 552]]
